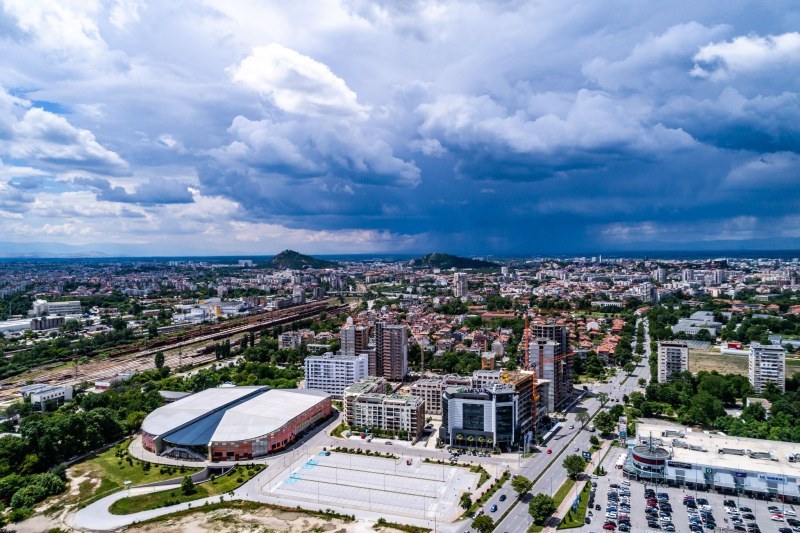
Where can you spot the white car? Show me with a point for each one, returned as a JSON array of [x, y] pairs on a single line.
[[790, 512]]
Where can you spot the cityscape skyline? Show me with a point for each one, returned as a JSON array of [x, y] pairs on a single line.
[[518, 128]]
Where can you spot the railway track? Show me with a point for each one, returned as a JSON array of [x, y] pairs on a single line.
[[136, 360]]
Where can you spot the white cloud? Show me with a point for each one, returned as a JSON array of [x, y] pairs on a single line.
[[45, 136], [125, 12], [594, 121], [65, 28], [659, 61], [747, 53], [297, 84]]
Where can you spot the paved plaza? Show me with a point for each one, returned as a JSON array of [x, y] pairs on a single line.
[[381, 485]]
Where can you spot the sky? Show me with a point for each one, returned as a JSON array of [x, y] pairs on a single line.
[[347, 126]]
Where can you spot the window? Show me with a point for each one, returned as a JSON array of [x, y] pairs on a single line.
[[473, 416]]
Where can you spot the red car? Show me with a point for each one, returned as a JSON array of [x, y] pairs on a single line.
[[549, 451], [609, 526]]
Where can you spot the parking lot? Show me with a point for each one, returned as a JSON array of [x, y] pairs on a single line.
[[402, 487], [679, 515]]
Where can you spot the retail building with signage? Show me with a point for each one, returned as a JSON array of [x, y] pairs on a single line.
[[678, 456]]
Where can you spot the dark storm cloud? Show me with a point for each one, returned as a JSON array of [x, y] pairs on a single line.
[[476, 126]]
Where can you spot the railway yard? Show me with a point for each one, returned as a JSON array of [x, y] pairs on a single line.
[[188, 347]]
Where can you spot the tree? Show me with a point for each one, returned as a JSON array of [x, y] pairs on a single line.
[[604, 423], [466, 501], [541, 507], [603, 397], [642, 382], [521, 484], [159, 360], [483, 524], [574, 465], [582, 417], [594, 440], [187, 486]]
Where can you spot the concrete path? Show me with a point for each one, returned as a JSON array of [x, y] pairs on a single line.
[[97, 517]]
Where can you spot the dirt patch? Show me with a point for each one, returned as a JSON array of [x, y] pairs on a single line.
[[724, 364], [238, 520]]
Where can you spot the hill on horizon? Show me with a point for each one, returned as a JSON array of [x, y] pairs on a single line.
[[289, 259], [440, 260]]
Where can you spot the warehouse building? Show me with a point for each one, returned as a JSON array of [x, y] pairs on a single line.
[[233, 423]]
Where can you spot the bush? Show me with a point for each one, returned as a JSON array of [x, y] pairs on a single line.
[[51, 483], [28, 496]]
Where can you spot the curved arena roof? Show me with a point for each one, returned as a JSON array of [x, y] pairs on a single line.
[[265, 413], [174, 416]]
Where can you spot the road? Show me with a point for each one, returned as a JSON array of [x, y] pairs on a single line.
[[566, 441]]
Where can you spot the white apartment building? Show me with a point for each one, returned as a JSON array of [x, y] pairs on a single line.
[[334, 373], [767, 364], [430, 390], [673, 357], [395, 412]]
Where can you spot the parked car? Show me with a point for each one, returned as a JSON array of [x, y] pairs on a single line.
[[493, 508]]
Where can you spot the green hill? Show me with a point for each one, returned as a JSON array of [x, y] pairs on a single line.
[[437, 260], [289, 259]]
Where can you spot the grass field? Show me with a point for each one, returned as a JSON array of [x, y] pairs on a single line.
[[107, 472], [165, 498], [724, 364]]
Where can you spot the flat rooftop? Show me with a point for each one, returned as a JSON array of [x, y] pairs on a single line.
[[713, 442]]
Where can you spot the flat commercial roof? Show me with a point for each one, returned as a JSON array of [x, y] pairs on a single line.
[[713, 442], [177, 414], [265, 413]]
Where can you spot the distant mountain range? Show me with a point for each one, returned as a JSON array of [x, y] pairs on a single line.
[[291, 260], [437, 260]]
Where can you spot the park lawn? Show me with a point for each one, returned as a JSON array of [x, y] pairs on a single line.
[[220, 485], [105, 474]]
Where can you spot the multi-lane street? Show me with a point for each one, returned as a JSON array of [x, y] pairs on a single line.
[[564, 443]]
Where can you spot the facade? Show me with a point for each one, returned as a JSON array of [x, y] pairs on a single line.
[[551, 364], [334, 373], [391, 352], [41, 323], [766, 364], [388, 412], [42, 395], [460, 285], [43, 307], [289, 339], [365, 385], [553, 332], [233, 423], [673, 357], [479, 417], [677, 456], [430, 390], [355, 340], [530, 418]]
